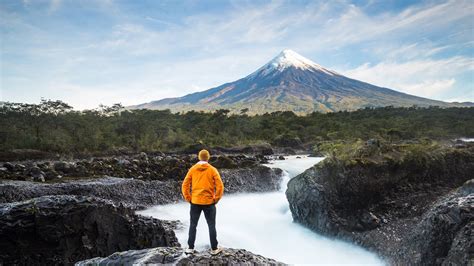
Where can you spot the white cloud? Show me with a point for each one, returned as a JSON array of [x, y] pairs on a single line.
[[148, 57], [427, 78]]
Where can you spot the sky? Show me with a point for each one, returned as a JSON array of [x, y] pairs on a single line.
[[91, 52]]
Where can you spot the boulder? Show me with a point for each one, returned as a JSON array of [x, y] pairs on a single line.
[[63, 167], [223, 162], [176, 256], [256, 179], [53, 230]]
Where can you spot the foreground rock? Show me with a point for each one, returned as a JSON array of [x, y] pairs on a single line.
[[445, 234], [176, 256], [378, 200], [64, 229], [138, 193]]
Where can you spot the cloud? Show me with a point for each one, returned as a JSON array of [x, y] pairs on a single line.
[[428, 78], [54, 5], [422, 49]]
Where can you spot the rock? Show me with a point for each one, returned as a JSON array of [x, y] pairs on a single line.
[[131, 192], [143, 156], [261, 158], [9, 166], [257, 179], [20, 167], [445, 234], [369, 221], [172, 167], [65, 229], [35, 173], [63, 167], [378, 204], [138, 193], [281, 157], [123, 162], [176, 256], [223, 162]]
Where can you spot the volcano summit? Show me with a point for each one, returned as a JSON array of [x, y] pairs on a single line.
[[291, 82]]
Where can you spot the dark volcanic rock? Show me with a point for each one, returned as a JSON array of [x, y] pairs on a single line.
[[140, 193], [378, 204], [445, 234], [64, 229], [153, 166], [257, 179], [176, 256], [131, 192]]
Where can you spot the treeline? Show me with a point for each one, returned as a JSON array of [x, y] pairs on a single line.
[[53, 126]]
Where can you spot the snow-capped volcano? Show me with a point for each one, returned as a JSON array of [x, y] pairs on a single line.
[[291, 82]]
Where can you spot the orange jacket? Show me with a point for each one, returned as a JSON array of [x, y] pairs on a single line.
[[202, 184]]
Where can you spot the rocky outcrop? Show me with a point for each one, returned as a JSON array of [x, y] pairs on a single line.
[[378, 202], [138, 193], [64, 229], [130, 192], [140, 166], [176, 256], [256, 179]]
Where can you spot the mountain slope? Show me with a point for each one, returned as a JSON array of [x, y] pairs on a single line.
[[291, 82]]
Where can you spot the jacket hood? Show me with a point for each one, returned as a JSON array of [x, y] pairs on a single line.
[[202, 165]]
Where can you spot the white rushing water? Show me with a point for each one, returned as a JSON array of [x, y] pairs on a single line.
[[262, 224]]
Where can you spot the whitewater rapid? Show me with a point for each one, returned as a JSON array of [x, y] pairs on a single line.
[[262, 224]]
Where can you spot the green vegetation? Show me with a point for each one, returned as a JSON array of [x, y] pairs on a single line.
[[54, 126], [375, 151]]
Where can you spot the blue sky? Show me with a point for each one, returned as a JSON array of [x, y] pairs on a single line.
[[91, 52]]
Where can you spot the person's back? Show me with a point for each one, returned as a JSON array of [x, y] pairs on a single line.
[[203, 188]]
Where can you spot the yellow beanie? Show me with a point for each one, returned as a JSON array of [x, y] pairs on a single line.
[[204, 155]]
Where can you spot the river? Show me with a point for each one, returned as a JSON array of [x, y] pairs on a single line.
[[262, 224]]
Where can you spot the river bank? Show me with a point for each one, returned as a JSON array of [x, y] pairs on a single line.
[[410, 204]]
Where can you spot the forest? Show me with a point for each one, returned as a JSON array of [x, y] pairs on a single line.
[[54, 126]]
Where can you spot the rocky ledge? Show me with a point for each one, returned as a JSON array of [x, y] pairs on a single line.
[[396, 201], [53, 230], [176, 256], [140, 166], [138, 193]]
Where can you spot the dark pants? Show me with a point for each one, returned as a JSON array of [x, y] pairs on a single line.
[[210, 214]]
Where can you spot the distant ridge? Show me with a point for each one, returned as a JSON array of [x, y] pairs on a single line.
[[291, 82]]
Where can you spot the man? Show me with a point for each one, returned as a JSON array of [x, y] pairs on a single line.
[[203, 188]]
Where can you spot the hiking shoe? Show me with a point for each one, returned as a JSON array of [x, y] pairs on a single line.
[[189, 251], [215, 251]]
